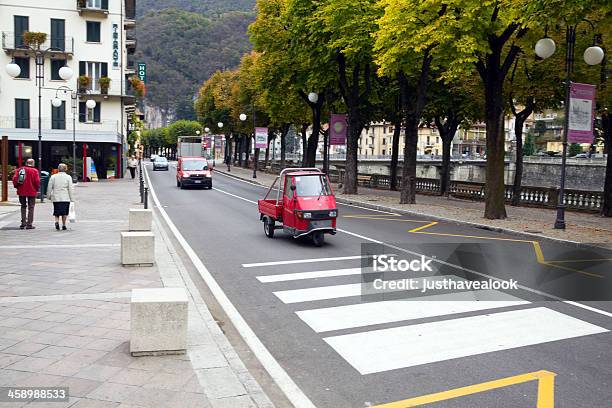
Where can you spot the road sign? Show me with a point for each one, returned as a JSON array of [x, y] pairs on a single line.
[[142, 72]]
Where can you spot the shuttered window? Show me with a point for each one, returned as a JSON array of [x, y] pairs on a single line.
[[22, 113], [58, 116]]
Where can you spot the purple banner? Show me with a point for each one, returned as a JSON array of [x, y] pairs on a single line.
[[261, 138], [337, 130], [581, 113], [206, 142]]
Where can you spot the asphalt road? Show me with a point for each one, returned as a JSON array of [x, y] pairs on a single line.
[[344, 349]]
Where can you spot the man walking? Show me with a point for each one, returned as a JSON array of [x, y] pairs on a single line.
[[27, 182]]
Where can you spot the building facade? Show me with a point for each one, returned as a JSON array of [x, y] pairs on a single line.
[[92, 38]]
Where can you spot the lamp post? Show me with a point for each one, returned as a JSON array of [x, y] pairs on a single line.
[[243, 117], [74, 97], [65, 73], [313, 97], [593, 55]]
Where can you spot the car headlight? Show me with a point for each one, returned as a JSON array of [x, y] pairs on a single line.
[[333, 213]]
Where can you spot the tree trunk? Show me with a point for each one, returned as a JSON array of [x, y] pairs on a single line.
[[247, 151], [395, 154], [447, 130], [304, 144], [518, 161], [606, 209], [352, 143], [408, 192], [283, 143], [239, 143], [494, 110]]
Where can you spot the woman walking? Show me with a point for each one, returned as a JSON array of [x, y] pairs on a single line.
[[131, 164], [60, 191]]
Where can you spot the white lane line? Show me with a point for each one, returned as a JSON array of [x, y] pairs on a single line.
[[274, 369], [235, 196], [481, 274], [284, 277], [59, 246], [299, 261], [348, 290], [409, 346], [367, 314]]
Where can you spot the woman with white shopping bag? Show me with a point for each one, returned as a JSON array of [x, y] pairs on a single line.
[[61, 192]]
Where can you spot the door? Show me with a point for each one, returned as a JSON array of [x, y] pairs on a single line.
[[288, 203], [22, 24], [58, 36]]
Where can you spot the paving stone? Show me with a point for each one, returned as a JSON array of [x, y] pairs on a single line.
[[242, 401], [65, 367], [4, 343], [74, 341], [113, 392], [91, 403], [190, 400], [169, 381], [104, 344], [80, 387], [97, 372], [130, 376], [8, 359], [25, 348], [220, 382], [32, 364], [14, 322], [49, 338], [18, 334], [56, 352], [86, 356]]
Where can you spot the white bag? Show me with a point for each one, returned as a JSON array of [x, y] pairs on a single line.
[[72, 213]]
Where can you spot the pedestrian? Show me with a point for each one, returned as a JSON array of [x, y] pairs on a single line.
[[61, 192], [27, 182], [132, 163]]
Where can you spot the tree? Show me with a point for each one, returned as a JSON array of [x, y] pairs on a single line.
[[400, 53], [182, 128], [574, 149], [529, 147]]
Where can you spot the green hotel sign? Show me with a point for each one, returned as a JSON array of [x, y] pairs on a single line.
[[142, 71]]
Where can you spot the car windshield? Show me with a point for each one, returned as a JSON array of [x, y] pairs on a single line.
[[161, 159], [312, 186], [195, 165]]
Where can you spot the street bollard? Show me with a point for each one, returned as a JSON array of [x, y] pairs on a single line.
[[141, 190], [146, 198]]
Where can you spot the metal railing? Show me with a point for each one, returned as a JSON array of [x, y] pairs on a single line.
[[64, 44], [545, 197]]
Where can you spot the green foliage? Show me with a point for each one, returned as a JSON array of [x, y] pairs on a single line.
[[529, 147], [574, 149], [181, 128], [210, 8]]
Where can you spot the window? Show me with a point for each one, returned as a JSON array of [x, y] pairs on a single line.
[[56, 65], [288, 183], [22, 24], [93, 31], [58, 35], [94, 70], [58, 116], [99, 4], [22, 113], [89, 115], [24, 64], [384, 141]]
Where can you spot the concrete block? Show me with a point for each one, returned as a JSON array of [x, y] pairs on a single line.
[[158, 321], [137, 248], [140, 220]]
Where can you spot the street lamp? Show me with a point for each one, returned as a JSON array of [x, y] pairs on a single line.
[[313, 97], [593, 55], [65, 73], [243, 117]]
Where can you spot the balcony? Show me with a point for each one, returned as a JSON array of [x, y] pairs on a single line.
[[113, 91], [99, 7], [13, 44], [130, 44]]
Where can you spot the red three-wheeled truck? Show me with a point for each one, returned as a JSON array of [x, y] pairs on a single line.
[[303, 204]]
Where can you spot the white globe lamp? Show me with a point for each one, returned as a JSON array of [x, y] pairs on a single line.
[[220, 125], [545, 47], [13, 69], [65, 72], [313, 97], [593, 55], [243, 117], [91, 104], [56, 102]]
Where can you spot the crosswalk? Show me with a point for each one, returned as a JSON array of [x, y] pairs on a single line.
[[491, 327]]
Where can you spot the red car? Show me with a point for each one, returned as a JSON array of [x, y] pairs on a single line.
[[307, 206], [193, 171]]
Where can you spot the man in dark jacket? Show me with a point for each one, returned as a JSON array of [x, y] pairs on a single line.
[[27, 182]]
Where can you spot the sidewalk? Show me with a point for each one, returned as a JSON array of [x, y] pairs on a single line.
[[581, 227], [65, 315]]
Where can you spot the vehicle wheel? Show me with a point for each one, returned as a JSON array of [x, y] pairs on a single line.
[[181, 185], [178, 183], [318, 238], [269, 227]]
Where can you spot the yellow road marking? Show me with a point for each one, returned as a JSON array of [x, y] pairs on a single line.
[[365, 217], [581, 260], [536, 247], [546, 391]]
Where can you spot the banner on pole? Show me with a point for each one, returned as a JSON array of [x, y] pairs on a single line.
[[338, 129], [581, 113], [261, 138], [206, 142]]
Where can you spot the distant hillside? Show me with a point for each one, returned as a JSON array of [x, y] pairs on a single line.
[[205, 7], [182, 49]]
